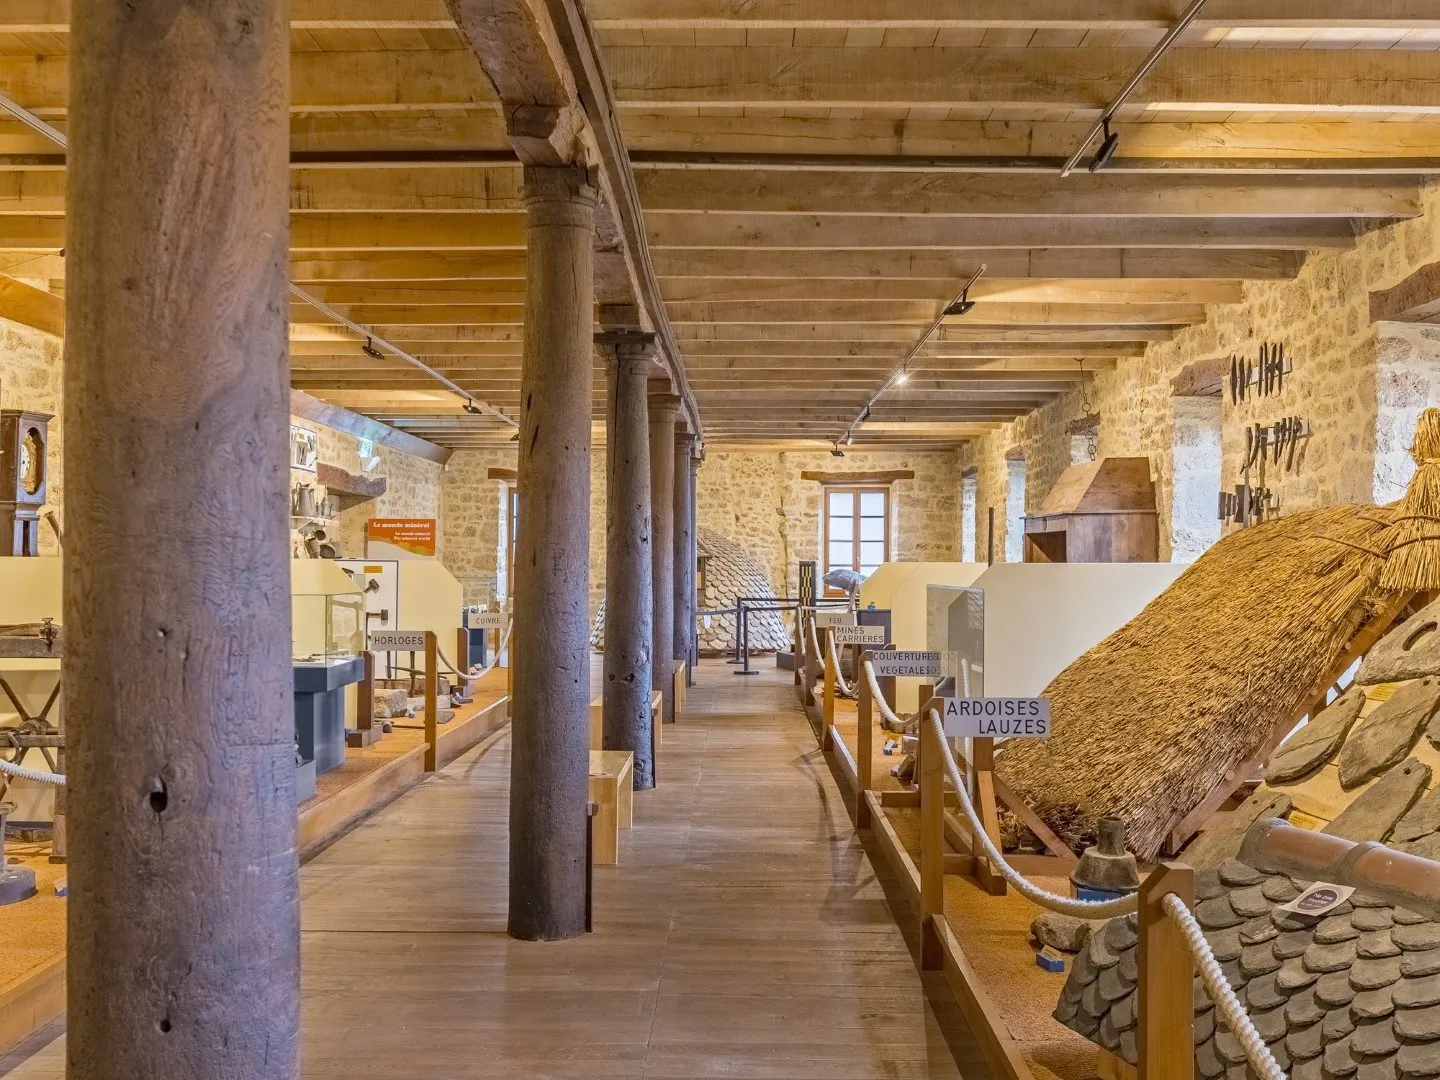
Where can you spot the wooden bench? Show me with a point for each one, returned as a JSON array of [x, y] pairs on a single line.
[[612, 787], [597, 720]]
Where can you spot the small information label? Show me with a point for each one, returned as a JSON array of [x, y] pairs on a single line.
[[996, 718], [397, 640], [1319, 899], [835, 617], [858, 635], [488, 620], [898, 664]]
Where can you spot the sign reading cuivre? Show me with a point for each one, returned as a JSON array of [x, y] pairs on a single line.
[[488, 620], [996, 718], [397, 640], [836, 617], [858, 635], [897, 663]]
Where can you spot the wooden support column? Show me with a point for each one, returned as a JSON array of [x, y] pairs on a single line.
[[629, 599], [550, 648], [864, 742], [664, 410], [684, 545], [1164, 999], [694, 565], [183, 930]]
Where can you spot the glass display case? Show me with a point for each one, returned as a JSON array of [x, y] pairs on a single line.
[[327, 613]]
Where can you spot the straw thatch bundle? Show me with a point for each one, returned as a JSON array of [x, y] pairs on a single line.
[[1148, 721], [1414, 556]]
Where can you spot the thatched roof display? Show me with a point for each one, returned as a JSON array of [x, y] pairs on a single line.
[[730, 572], [1153, 718]]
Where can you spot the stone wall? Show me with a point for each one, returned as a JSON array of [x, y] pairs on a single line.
[[759, 501], [472, 523], [1340, 357], [30, 378]]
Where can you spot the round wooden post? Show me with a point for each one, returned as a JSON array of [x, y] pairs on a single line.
[[664, 410], [684, 535], [932, 843], [183, 930], [864, 742], [694, 565], [629, 601], [1164, 1002], [550, 648]]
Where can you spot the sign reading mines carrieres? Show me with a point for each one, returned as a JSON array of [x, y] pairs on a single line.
[[858, 635], [996, 718], [897, 663]]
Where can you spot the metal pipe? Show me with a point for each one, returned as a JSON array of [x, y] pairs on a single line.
[[901, 368], [55, 135], [1161, 48]]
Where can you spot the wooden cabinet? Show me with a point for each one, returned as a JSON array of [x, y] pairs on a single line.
[[1102, 511]]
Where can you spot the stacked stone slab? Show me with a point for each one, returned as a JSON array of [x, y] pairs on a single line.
[[730, 572]]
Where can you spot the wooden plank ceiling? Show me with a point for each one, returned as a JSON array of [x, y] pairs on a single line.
[[818, 178]]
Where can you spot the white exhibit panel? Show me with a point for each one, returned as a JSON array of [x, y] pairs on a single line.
[[430, 598], [379, 582], [1040, 617], [901, 588]]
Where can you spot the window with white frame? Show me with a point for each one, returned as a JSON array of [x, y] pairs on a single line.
[[856, 528]]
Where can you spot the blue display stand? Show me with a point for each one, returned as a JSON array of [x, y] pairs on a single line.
[[320, 709]]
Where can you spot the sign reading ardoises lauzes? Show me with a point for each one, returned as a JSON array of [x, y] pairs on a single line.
[[897, 663], [858, 635], [996, 718]]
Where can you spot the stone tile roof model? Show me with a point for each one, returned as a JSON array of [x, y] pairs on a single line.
[[730, 572], [1354, 993]]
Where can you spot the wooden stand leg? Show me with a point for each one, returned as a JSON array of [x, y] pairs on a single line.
[[864, 745], [827, 711], [1166, 1038], [432, 702], [932, 847], [990, 879]]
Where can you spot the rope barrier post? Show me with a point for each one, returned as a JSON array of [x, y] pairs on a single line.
[[987, 875], [930, 768], [432, 702], [827, 707], [462, 649], [864, 742], [739, 618], [744, 631], [1166, 1006]]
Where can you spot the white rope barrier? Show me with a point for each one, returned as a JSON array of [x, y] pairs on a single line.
[[19, 772], [1066, 905], [888, 718], [504, 641], [1220, 991], [845, 688], [814, 641]]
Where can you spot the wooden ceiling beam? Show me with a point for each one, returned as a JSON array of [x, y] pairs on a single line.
[[990, 313], [1002, 14], [748, 230], [1008, 290], [682, 77], [1153, 144], [955, 267], [965, 195], [949, 332], [413, 266]]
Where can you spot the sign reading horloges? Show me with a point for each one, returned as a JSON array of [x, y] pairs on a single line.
[[858, 635], [834, 617], [409, 536], [896, 663], [488, 620], [996, 718], [397, 640]]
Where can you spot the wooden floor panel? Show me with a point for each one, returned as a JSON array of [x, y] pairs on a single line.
[[745, 934]]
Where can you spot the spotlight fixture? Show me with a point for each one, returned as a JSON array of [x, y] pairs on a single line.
[[836, 451], [515, 436], [961, 306], [902, 377], [371, 351], [1107, 148], [470, 407]]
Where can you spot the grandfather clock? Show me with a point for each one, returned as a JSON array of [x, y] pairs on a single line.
[[24, 440]]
